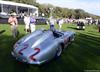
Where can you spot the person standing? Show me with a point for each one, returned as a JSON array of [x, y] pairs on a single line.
[[27, 22], [60, 22], [13, 24], [32, 23], [52, 22], [99, 24]]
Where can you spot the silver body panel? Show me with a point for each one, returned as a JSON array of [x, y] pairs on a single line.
[[46, 41]]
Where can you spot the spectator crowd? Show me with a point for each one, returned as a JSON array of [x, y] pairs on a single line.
[[30, 23]]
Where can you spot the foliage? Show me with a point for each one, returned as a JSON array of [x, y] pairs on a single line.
[[63, 12]]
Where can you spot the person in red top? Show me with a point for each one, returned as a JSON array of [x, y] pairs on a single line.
[[13, 23]]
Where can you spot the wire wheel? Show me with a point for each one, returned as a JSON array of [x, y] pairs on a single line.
[[59, 51]]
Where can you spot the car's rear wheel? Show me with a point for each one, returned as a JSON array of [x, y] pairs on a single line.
[[59, 51], [73, 37]]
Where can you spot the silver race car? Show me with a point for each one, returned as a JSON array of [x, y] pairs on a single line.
[[41, 46]]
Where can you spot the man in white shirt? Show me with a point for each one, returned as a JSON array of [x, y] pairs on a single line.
[[52, 22], [32, 23], [27, 22], [60, 22]]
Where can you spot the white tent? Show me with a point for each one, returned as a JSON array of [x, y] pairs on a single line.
[[17, 4], [4, 6]]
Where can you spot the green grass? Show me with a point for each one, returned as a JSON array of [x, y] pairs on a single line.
[[82, 54]]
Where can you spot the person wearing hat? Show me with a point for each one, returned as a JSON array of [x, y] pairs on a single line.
[[13, 24]]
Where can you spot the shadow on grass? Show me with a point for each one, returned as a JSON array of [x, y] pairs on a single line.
[[75, 28], [82, 54], [72, 28], [86, 50], [7, 62], [2, 31]]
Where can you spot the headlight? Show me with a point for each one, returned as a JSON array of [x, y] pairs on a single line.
[[17, 43]]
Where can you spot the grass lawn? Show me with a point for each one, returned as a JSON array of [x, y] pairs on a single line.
[[83, 54]]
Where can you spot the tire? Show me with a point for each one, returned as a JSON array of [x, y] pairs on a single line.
[[59, 51], [73, 38], [69, 42]]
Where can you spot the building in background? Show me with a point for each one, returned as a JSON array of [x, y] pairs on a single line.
[[7, 6]]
